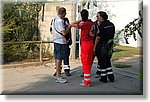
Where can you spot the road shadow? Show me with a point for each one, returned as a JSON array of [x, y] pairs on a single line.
[[47, 86]]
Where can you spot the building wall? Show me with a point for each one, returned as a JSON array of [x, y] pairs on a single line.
[[120, 12], [49, 13]]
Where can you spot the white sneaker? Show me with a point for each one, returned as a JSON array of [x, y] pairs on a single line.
[[60, 80], [83, 85]]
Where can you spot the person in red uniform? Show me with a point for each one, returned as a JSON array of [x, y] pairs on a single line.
[[87, 45]]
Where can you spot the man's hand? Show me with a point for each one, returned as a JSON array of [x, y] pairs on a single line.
[[69, 26]]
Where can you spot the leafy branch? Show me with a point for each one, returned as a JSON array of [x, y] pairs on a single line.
[[133, 29]]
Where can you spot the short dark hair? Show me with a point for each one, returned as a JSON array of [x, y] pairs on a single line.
[[61, 10], [84, 14], [103, 15]]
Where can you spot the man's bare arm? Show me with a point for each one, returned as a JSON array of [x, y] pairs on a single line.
[[75, 24]]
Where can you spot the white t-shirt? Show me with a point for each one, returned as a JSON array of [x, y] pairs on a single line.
[[58, 25]]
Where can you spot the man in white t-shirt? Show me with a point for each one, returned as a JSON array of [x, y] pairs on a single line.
[[68, 37], [60, 43]]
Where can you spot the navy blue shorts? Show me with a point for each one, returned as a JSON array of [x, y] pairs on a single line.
[[60, 51]]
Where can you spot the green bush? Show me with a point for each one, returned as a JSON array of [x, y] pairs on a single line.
[[19, 24]]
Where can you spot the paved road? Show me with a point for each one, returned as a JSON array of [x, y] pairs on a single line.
[[39, 80]]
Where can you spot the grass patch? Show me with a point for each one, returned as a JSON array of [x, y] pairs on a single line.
[[125, 51], [140, 76], [122, 66]]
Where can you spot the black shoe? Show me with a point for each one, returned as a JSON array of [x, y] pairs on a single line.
[[98, 74], [82, 75], [111, 77], [67, 72], [54, 74], [103, 79]]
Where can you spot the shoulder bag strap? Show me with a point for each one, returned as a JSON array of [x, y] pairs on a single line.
[[57, 30]]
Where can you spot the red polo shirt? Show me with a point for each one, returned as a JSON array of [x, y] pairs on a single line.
[[85, 29]]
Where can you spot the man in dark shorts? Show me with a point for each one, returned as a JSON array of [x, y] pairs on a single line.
[[68, 37], [60, 43]]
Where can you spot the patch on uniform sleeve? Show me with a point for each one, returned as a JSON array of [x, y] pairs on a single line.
[[92, 31]]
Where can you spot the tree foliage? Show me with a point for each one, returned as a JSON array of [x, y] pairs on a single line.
[[19, 23], [132, 29]]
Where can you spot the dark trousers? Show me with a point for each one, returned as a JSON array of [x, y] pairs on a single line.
[[66, 60], [104, 61]]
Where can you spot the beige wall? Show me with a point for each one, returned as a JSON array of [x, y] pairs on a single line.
[[49, 13]]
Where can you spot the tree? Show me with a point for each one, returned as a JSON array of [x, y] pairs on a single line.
[[133, 28], [19, 24], [19, 21]]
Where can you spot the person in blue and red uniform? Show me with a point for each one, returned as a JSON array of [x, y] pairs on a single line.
[[103, 47], [87, 46]]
